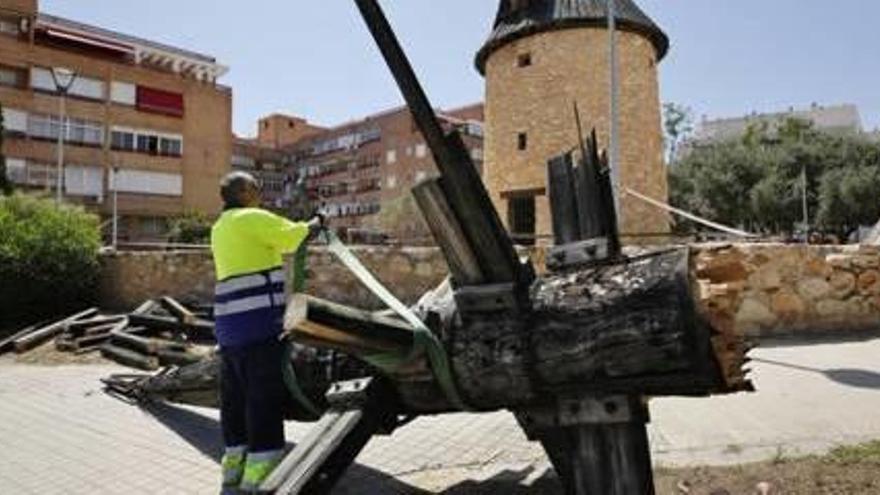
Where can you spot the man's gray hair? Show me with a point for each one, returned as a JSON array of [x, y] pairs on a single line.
[[233, 185]]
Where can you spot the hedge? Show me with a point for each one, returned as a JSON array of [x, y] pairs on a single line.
[[48, 259]]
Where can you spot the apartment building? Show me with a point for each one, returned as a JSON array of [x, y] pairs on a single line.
[[835, 119], [264, 157], [361, 172], [268, 165], [144, 123]]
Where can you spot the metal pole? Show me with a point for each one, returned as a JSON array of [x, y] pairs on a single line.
[[115, 209], [62, 109], [614, 145], [806, 208]]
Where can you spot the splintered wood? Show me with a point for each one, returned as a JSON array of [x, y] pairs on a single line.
[[718, 280]]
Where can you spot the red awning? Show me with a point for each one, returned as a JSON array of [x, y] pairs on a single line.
[[159, 101]]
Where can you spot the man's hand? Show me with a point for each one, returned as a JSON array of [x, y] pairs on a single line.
[[317, 223]]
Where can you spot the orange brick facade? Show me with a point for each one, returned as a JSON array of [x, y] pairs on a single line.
[[362, 172], [153, 112]]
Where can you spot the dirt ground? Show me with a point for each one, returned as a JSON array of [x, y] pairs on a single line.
[[46, 355], [844, 471]]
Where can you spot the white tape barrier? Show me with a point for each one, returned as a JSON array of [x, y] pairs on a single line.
[[689, 216]]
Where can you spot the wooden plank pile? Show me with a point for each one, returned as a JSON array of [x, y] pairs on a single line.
[[158, 333]]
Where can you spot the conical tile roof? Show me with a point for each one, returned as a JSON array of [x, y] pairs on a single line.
[[520, 18]]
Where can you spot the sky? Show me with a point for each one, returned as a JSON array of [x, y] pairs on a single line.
[[315, 58]]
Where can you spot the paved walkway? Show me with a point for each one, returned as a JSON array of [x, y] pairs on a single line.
[[60, 434]]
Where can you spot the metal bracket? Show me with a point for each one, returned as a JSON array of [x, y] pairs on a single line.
[[489, 298], [578, 254], [580, 411], [358, 410]]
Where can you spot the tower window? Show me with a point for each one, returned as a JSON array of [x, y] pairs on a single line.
[[521, 219], [522, 141], [524, 60]]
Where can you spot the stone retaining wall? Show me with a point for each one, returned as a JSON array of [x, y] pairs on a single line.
[[764, 289], [769, 289]]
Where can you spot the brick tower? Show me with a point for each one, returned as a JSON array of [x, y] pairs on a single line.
[[544, 55]]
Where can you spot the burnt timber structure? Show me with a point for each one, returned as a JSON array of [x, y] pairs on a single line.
[[572, 353]]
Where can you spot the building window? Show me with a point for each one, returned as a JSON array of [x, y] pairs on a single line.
[[154, 226], [16, 170], [148, 144], [87, 87], [524, 60], [144, 182], [122, 140], [10, 76], [421, 151], [123, 93], [82, 87], [421, 175], [85, 132], [84, 181], [170, 146], [14, 121], [522, 141], [10, 26], [521, 219], [391, 156], [79, 131], [392, 182]]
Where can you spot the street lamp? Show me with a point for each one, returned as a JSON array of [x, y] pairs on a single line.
[[64, 79]]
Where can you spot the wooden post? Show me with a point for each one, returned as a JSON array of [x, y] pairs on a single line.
[[46, 333], [563, 201], [448, 232]]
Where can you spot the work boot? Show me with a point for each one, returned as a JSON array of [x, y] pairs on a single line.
[[258, 467], [233, 465]]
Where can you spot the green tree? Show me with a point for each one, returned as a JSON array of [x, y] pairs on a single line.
[[5, 185], [756, 182], [677, 125], [192, 227]]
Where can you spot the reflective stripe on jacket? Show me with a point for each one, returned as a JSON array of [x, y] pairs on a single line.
[[248, 246], [249, 308]]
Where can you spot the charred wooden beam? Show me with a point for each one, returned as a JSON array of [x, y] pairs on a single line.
[[8, 344], [563, 201], [198, 329], [130, 358], [44, 334], [625, 328], [178, 310], [448, 232], [462, 186], [144, 345]]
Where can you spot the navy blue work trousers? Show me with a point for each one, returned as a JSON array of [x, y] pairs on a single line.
[[253, 396]]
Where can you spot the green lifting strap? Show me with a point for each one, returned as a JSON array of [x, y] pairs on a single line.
[[423, 339], [298, 285]]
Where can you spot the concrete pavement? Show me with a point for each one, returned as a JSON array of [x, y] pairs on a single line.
[[61, 434]]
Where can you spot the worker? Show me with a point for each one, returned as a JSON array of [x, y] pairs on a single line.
[[248, 244]]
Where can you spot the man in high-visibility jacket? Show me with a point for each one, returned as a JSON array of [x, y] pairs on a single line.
[[248, 244]]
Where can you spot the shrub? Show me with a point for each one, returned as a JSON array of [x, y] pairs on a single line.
[[48, 258], [191, 228]]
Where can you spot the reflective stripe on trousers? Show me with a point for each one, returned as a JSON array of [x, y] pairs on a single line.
[[249, 293]]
